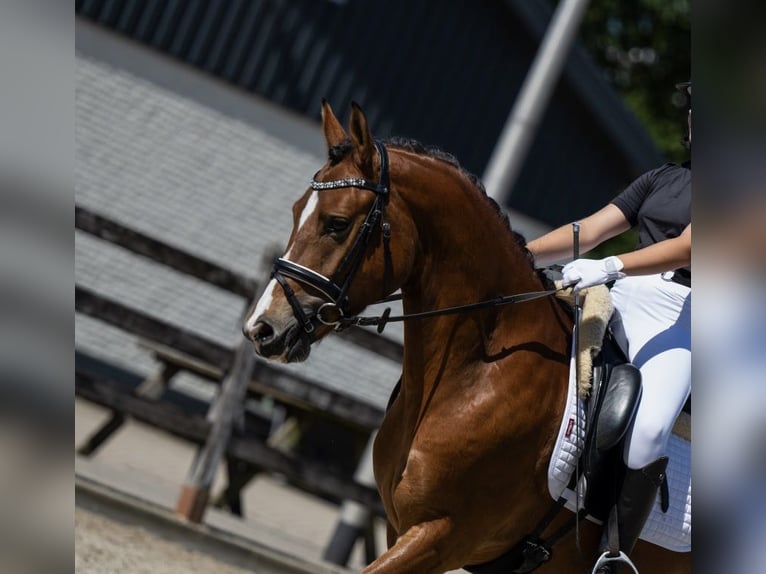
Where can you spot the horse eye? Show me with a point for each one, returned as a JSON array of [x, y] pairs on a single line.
[[337, 225]]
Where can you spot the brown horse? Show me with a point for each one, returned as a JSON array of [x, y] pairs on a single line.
[[461, 457]]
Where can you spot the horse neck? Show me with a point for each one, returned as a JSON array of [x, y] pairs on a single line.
[[466, 254]]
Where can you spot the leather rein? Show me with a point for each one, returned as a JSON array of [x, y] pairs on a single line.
[[335, 289]]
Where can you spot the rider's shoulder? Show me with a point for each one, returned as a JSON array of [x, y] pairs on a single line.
[[670, 169], [671, 166]]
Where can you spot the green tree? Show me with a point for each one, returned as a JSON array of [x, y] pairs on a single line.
[[643, 48]]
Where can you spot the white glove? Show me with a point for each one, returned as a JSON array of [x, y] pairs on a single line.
[[584, 273]]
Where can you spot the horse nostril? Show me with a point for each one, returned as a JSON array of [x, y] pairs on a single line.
[[262, 332]]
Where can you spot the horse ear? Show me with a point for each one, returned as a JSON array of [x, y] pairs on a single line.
[[334, 133], [361, 137]]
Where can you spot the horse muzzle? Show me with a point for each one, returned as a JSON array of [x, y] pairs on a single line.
[[288, 343]]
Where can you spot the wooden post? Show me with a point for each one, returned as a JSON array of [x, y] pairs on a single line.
[[227, 411], [195, 493]]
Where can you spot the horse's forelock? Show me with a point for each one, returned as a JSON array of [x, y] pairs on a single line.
[[337, 153]]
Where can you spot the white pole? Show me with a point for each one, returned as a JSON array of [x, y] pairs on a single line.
[[511, 149]]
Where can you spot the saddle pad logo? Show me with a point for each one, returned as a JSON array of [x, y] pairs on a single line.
[[570, 426]]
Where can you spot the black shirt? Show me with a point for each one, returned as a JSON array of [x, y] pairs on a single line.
[[659, 202]]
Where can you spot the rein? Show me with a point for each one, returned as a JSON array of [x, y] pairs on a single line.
[[384, 318]]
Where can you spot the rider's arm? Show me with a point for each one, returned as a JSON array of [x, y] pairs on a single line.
[[594, 229], [662, 256]]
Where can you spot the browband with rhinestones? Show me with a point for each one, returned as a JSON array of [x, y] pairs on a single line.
[[338, 183]]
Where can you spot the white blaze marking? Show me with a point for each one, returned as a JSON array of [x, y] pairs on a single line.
[[263, 303], [268, 294], [309, 208]]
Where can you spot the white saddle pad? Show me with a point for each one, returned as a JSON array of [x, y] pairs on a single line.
[[671, 530]]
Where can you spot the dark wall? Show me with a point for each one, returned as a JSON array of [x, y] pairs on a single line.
[[445, 73]]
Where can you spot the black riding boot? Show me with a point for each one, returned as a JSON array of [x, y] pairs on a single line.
[[635, 503]]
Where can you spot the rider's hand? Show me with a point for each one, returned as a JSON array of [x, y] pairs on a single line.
[[584, 273]]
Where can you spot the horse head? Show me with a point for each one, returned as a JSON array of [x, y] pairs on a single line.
[[350, 245]]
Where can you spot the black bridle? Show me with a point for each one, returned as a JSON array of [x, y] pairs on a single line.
[[336, 288]]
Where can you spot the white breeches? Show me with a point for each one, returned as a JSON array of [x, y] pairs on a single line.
[[656, 314]]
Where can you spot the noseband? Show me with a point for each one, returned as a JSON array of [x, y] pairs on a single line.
[[335, 288]]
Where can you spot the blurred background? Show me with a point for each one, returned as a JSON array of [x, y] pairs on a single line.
[[186, 130]]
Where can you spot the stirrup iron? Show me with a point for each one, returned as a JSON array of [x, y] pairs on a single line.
[[606, 558]]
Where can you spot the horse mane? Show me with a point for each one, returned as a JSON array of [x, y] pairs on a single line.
[[340, 151]]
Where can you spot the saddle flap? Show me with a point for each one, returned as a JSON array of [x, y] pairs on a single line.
[[611, 412], [619, 406]]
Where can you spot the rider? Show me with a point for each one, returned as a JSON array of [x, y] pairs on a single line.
[[652, 292]]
